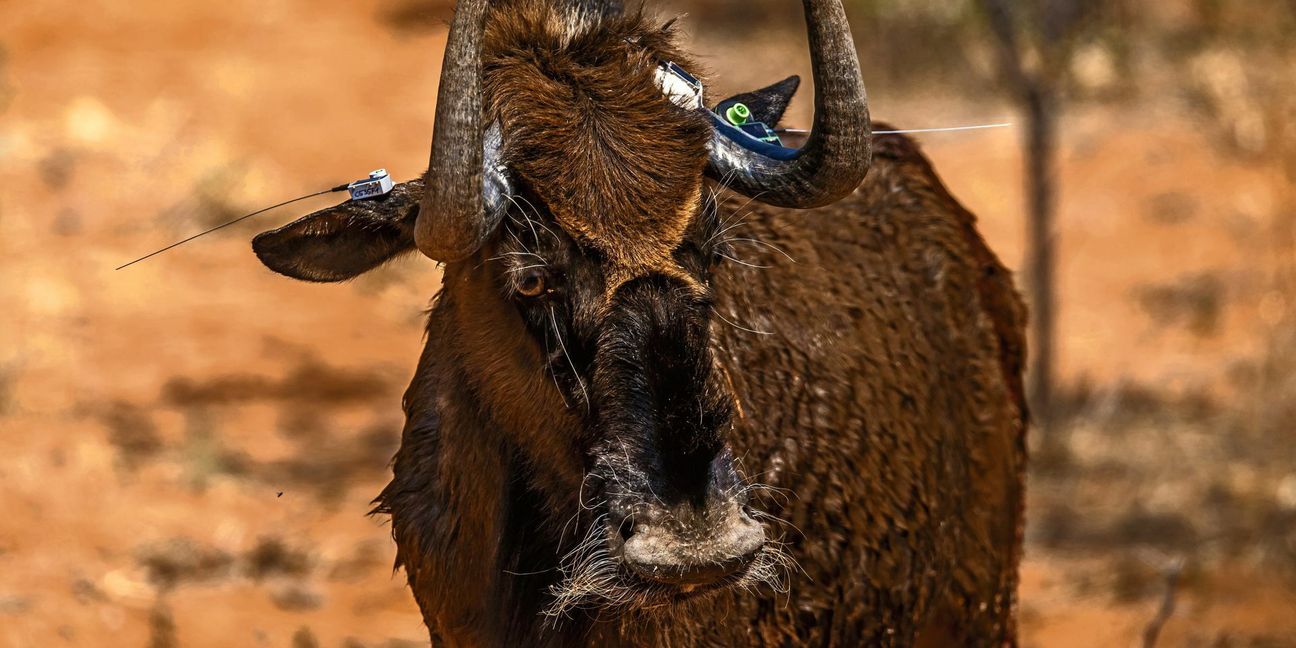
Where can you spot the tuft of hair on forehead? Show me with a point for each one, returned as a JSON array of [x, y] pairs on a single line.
[[587, 129]]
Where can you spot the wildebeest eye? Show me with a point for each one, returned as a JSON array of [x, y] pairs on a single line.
[[533, 283]]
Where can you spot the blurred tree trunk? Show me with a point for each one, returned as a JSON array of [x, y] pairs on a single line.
[[1041, 140], [1040, 32]]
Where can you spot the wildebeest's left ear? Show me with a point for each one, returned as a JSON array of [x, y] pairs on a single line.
[[768, 103], [346, 240]]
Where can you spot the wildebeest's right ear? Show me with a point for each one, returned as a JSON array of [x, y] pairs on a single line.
[[346, 240], [768, 103]]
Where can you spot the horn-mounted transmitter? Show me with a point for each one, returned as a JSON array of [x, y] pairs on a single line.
[[685, 90], [682, 88]]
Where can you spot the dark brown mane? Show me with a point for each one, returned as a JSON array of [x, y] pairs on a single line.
[[586, 125]]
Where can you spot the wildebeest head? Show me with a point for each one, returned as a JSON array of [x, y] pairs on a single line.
[[569, 198]]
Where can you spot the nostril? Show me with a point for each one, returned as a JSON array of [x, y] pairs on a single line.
[[660, 555], [627, 527], [749, 538]]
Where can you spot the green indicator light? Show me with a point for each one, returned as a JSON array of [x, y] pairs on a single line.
[[738, 114]]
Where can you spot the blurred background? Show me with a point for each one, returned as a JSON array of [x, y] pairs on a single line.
[[188, 447]]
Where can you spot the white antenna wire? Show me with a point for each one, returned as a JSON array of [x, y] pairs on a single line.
[[228, 223], [943, 130], [912, 130]]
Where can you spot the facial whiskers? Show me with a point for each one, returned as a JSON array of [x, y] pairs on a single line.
[[553, 319], [764, 244]]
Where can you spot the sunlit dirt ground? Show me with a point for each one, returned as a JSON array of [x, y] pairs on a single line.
[[188, 447]]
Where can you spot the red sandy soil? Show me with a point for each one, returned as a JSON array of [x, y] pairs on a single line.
[[188, 447]]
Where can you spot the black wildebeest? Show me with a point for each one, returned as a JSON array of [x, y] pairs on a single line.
[[647, 416]]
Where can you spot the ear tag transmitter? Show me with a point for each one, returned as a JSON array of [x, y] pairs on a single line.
[[740, 116], [685, 91], [377, 184], [682, 88]]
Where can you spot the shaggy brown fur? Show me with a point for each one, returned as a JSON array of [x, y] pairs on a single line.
[[895, 353], [631, 165]]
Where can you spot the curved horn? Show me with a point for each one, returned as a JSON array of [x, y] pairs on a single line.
[[467, 189], [835, 158]]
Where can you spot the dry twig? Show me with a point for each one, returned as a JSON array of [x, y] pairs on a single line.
[[1153, 628]]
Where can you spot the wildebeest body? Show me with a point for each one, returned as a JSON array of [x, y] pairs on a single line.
[[880, 401], [648, 414]]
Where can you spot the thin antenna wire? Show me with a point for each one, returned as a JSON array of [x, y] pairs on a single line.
[[911, 130], [340, 187], [943, 130]]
